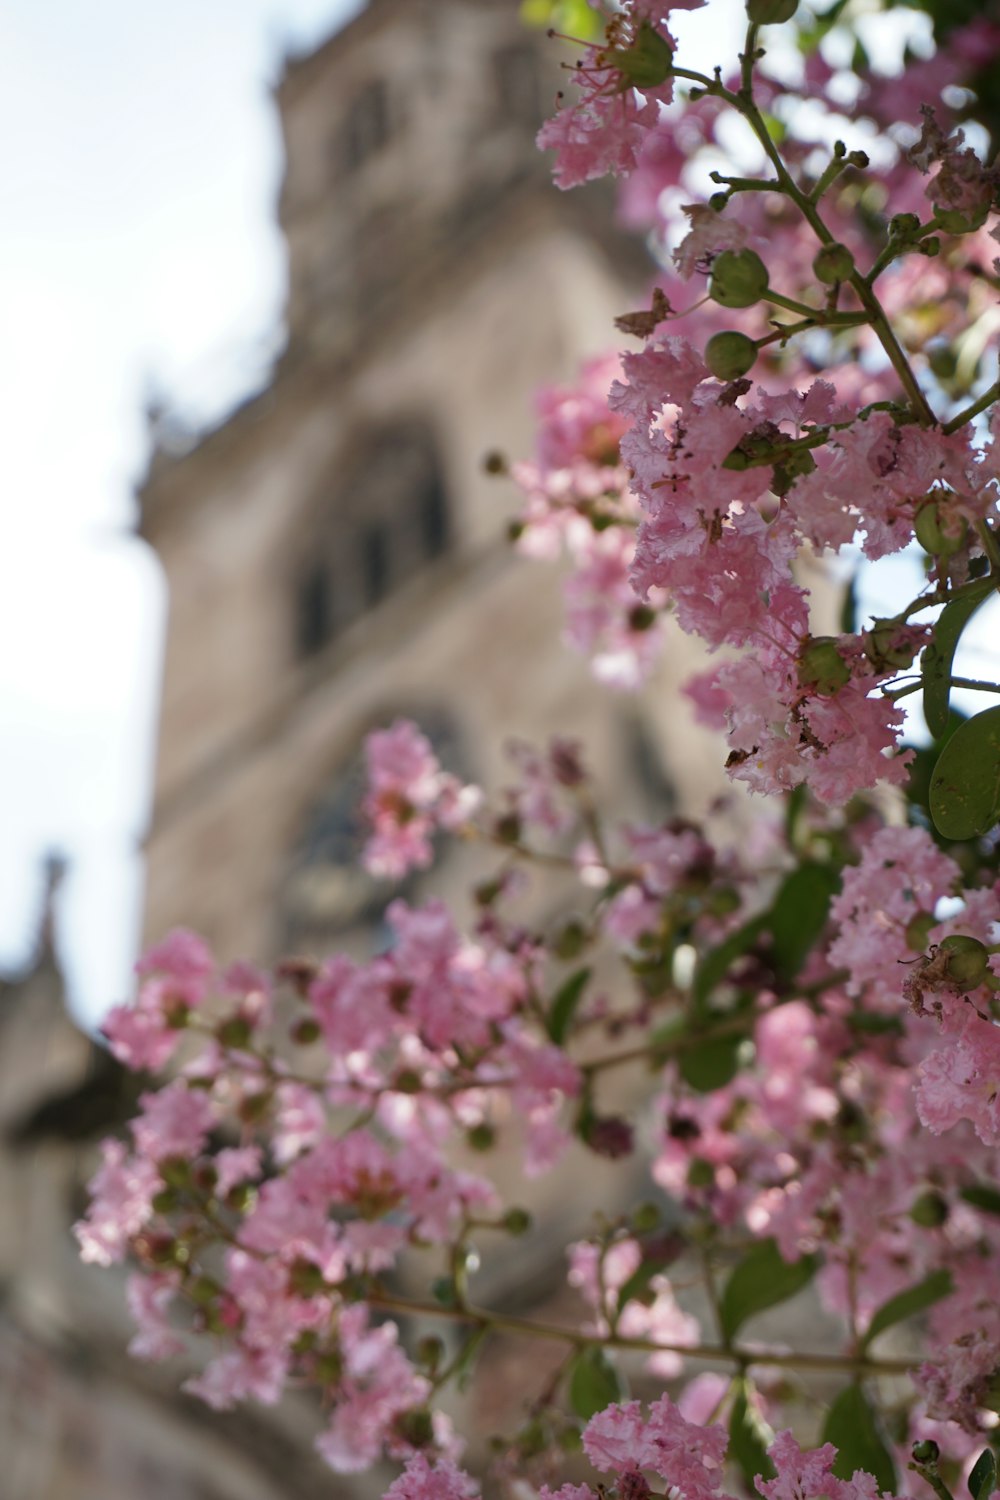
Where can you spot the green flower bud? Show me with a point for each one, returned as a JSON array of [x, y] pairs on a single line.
[[932, 536], [408, 1081], [430, 1352], [930, 1210], [833, 263], [701, 1173], [416, 1428], [881, 648], [235, 1032], [645, 1216], [962, 221], [517, 1221], [481, 1137], [821, 666], [926, 1451], [771, 12], [305, 1032], [730, 355], [739, 278], [968, 961]]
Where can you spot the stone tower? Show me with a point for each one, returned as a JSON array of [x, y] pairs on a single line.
[[335, 553]]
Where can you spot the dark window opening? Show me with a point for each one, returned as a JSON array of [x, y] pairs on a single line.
[[314, 623], [375, 563], [434, 517], [367, 127]]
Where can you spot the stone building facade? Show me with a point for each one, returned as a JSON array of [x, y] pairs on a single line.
[[335, 552]]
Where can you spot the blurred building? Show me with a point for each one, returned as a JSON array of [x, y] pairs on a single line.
[[335, 553], [336, 557]]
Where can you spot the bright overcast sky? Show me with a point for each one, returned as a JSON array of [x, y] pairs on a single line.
[[139, 161]]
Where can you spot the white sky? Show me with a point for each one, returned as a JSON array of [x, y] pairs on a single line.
[[139, 167], [140, 162]]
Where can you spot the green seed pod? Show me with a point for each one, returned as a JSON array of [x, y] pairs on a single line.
[[739, 278], [931, 534], [968, 961], [730, 355], [833, 263], [771, 12], [821, 666]]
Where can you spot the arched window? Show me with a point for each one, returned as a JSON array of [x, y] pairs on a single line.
[[382, 519], [366, 127]]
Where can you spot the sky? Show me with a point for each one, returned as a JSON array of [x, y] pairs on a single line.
[[140, 160]]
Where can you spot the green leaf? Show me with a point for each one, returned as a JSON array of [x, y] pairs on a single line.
[[761, 1280], [594, 1383], [749, 1438], [936, 661], [799, 915], [564, 1004], [852, 1428], [716, 965], [983, 1197], [965, 786], [905, 1304], [983, 1477], [574, 18], [711, 1064]]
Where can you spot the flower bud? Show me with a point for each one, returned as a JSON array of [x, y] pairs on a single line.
[[926, 1451], [481, 1137], [645, 1217], [930, 1210], [962, 220], [968, 961], [821, 666], [416, 1428], [430, 1352], [235, 1032], [517, 1221], [739, 278], [833, 263], [730, 355], [305, 1032], [932, 536], [771, 12]]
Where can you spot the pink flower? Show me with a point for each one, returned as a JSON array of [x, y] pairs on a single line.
[[442, 1481], [149, 1297], [121, 1194], [175, 1121]]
